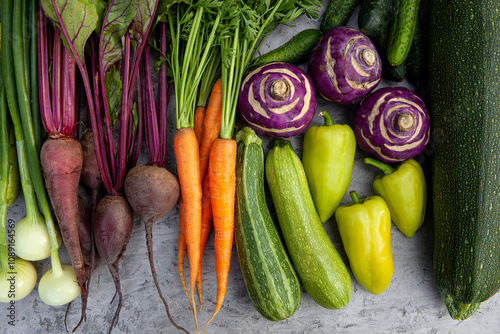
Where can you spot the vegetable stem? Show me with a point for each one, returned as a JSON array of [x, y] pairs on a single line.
[[33, 51], [355, 198], [43, 80], [380, 165], [326, 116], [4, 174], [124, 119], [21, 115]]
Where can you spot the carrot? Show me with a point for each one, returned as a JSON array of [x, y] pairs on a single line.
[[188, 170], [181, 248], [211, 125], [199, 118], [222, 192], [206, 226]]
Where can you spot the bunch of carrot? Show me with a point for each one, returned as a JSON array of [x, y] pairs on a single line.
[[195, 64], [220, 35]]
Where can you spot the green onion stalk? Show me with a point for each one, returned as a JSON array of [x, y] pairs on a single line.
[[58, 286], [17, 276]]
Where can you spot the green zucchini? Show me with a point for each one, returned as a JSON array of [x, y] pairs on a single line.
[[373, 16], [318, 264], [464, 85], [294, 51], [337, 14], [403, 25], [271, 281]]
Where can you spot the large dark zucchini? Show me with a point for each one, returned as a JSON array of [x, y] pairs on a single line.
[[464, 79]]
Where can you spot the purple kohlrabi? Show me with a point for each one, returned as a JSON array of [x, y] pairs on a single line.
[[345, 66], [392, 124], [277, 100]]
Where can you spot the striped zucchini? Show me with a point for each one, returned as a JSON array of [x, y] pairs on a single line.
[[464, 85], [271, 281], [319, 265]]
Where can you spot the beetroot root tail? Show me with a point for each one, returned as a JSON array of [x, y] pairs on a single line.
[[149, 243]]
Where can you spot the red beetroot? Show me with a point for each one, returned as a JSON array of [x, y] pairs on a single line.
[[85, 233], [152, 192], [113, 223], [61, 160], [91, 176]]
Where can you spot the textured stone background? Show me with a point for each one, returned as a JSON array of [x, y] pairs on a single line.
[[411, 304]]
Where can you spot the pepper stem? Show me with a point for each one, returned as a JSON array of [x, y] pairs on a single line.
[[355, 198], [326, 116], [380, 165]]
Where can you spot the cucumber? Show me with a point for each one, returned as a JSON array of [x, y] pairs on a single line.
[[373, 16], [294, 51], [337, 14], [416, 58], [318, 264], [403, 25], [271, 281], [394, 73], [464, 81]]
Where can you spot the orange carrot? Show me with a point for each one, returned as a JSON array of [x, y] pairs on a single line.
[[181, 248], [222, 176], [206, 226], [188, 170], [211, 125], [199, 118]]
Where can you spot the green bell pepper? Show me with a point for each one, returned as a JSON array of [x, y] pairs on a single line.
[[405, 191], [328, 157], [365, 229]]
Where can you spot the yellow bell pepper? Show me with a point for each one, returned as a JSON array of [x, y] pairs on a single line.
[[365, 229], [405, 192]]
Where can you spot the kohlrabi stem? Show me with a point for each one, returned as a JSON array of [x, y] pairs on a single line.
[[355, 198], [380, 165], [326, 116]]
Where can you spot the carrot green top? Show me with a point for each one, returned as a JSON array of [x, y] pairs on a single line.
[[192, 30]]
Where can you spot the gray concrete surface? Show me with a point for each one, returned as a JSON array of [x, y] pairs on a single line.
[[411, 304]]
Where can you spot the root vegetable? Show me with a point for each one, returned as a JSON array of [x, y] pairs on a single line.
[[113, 223]]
